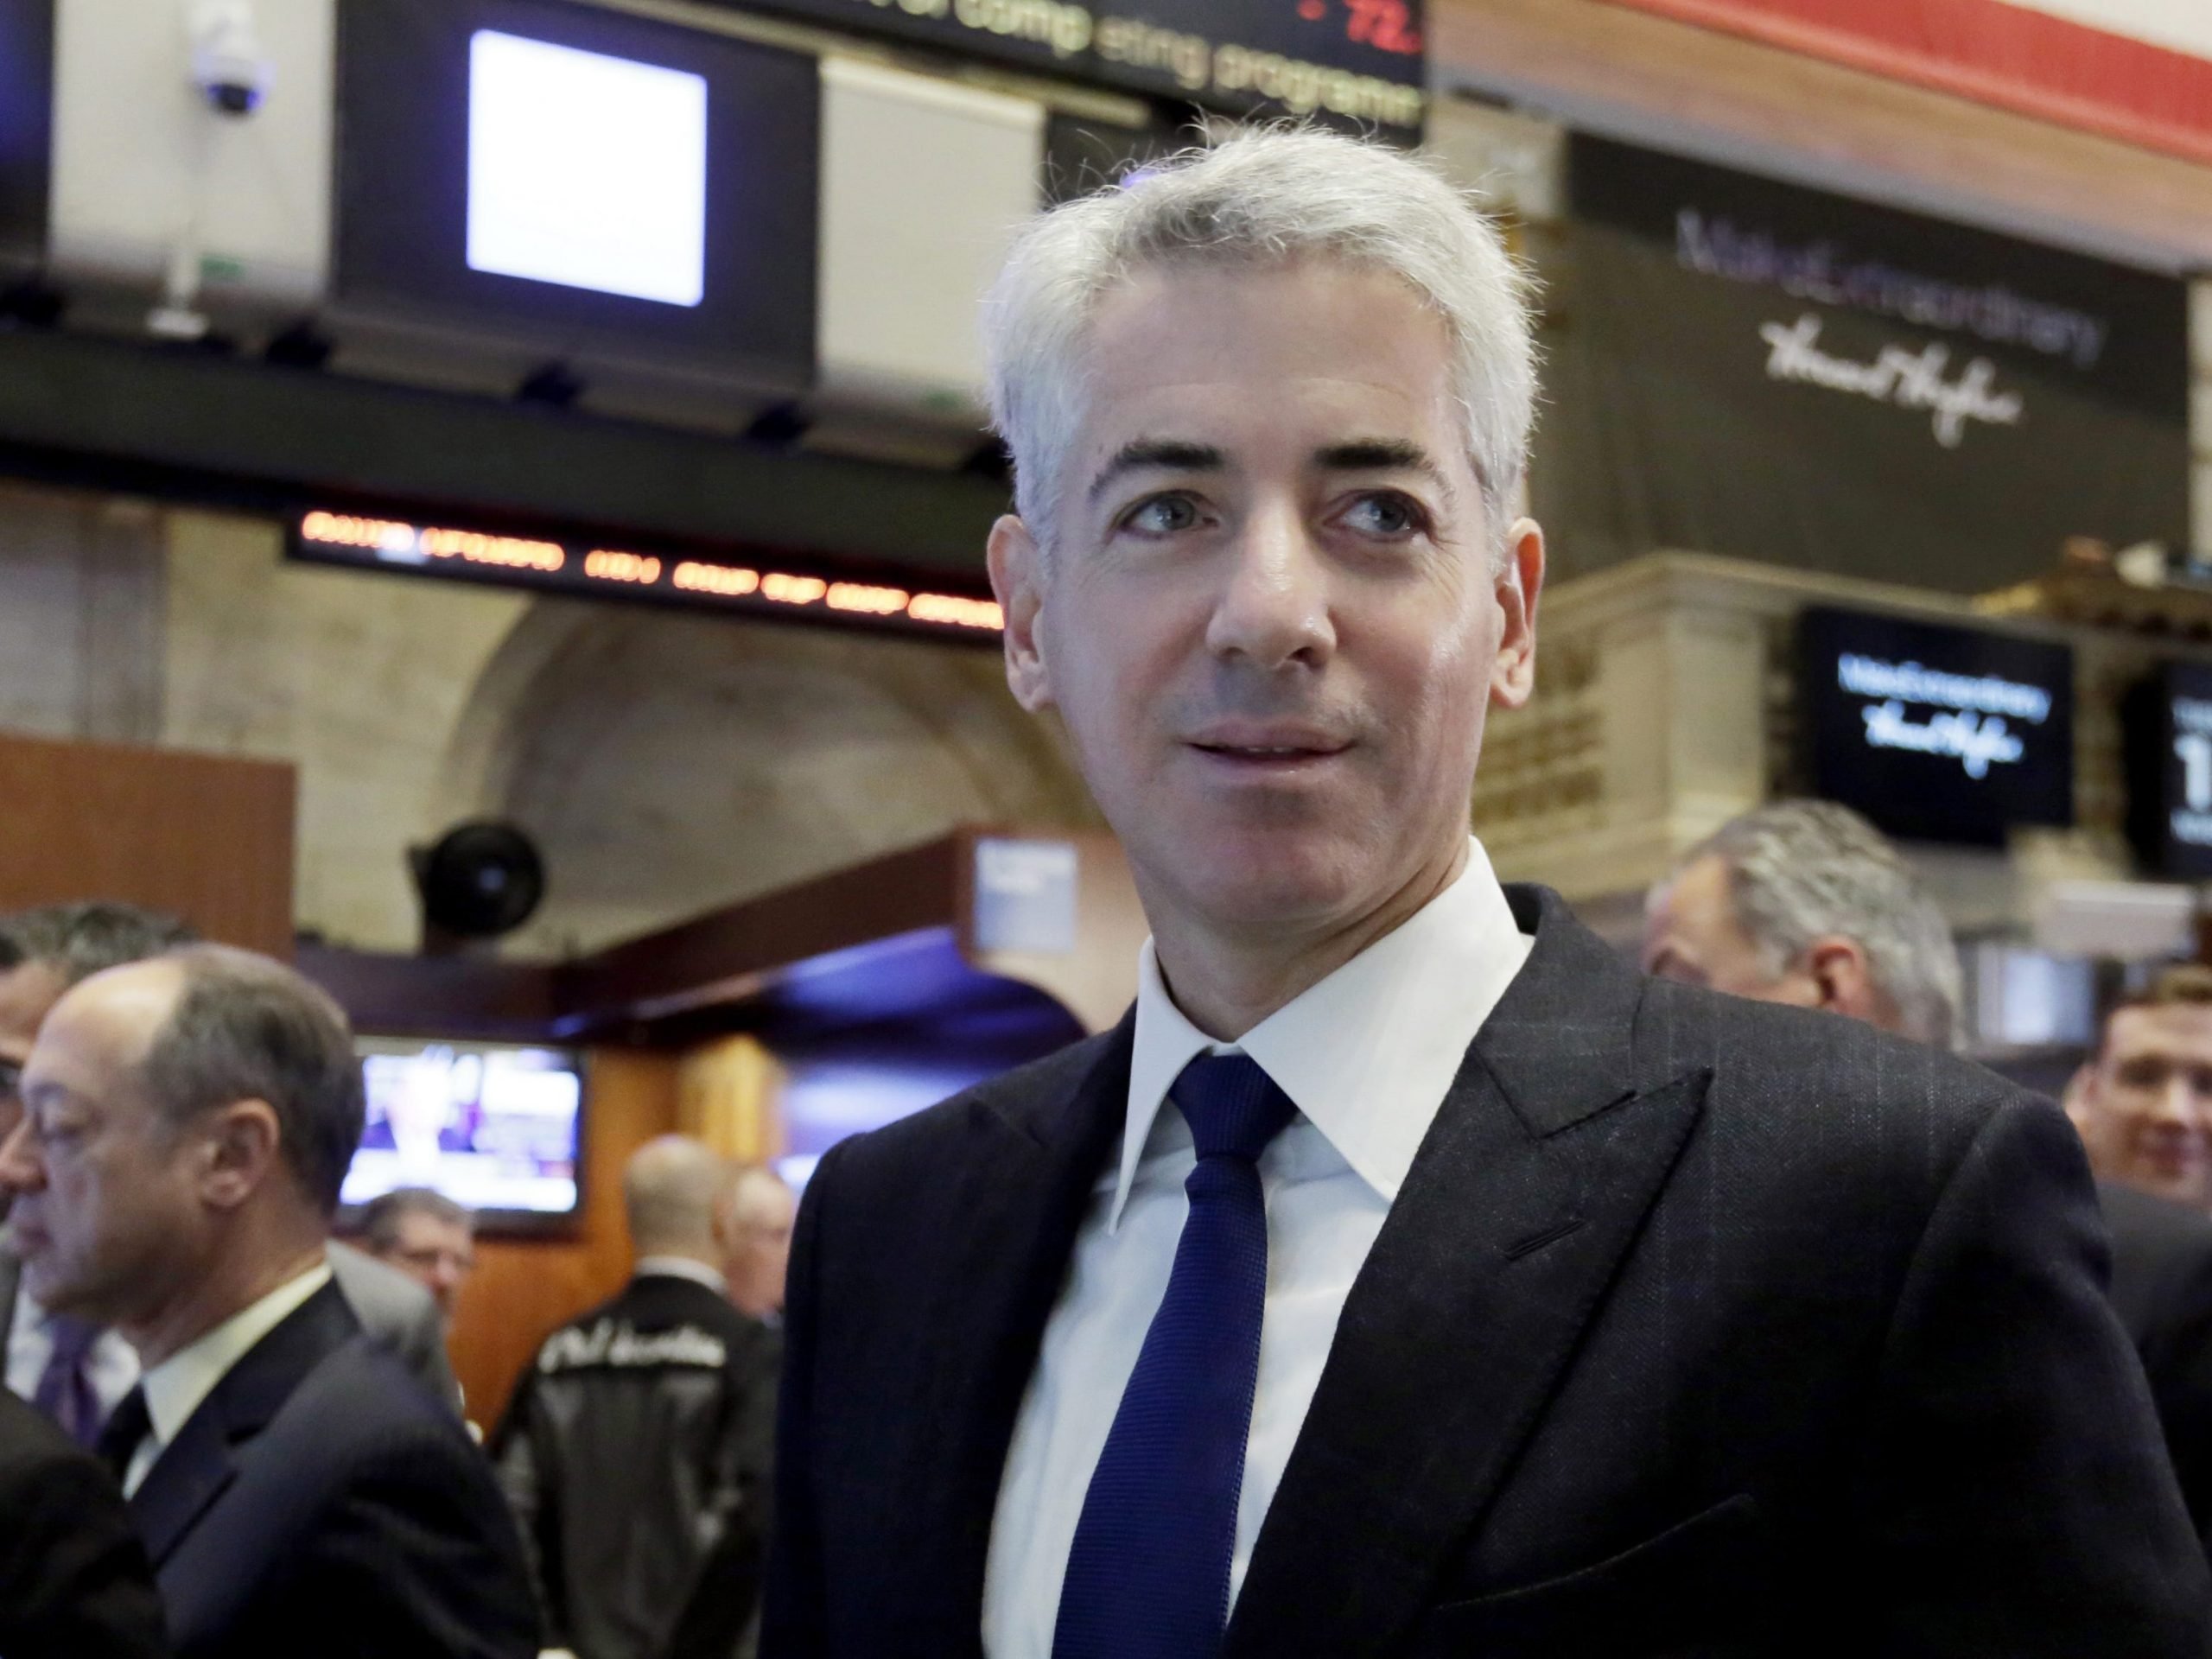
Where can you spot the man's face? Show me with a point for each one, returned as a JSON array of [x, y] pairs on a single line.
[[1691, 934], [27, 992], [758, 1247], [106, 1214], [1271, 621], [2144, 1106], [437, 1254]]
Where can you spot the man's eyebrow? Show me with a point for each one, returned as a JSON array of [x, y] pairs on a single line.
[[1157, 454], [1381, 455]]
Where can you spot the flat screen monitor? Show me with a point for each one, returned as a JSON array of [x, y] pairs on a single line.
[[1934, 732], [493, 1126], [573, 179]]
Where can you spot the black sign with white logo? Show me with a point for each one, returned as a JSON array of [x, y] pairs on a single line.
[[1935, 732], [1354, 62], [2169, 748], [1744, 367]]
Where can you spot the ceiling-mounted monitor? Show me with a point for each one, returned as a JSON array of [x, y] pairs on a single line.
[[526, 181], [493, 1126]]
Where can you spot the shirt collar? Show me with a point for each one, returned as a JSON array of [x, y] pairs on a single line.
[[1367, 1054], [683, 1267], [175, 1387]]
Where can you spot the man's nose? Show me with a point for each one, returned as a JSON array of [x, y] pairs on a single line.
[[1273, 607], [20, 1168], [2179, 1106]]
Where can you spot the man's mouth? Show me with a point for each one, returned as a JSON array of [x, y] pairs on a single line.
[[1268, 743]]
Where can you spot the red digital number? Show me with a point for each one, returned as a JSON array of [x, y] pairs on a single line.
[[1386, 25]]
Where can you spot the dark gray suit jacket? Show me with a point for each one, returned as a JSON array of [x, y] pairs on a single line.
[[317, 1501], [1699, 1327], [2162, 1289]]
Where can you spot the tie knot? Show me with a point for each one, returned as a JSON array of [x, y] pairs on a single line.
[[1233, 1108], [72, 1337]]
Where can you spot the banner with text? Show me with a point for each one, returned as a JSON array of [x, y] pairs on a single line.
[[1744, 367]]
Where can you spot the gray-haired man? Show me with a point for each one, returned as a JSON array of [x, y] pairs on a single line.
[[1409, 1275], [187, 1122], [1805, 902], [74, 1370]]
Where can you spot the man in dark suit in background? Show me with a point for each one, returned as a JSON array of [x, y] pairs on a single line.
[[187, 1122], [2143, 1103], [77, 1372], [1408, 1274], [74, 1579]]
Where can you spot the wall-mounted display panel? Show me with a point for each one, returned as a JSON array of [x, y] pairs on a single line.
[[2167, 722], [26, 129], [581, 183], [1936, 733], [494, 1127]]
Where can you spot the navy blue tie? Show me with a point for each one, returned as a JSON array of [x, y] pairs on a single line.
[[1147, 1575]]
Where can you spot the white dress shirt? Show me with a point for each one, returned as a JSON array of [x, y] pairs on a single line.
[[175, 1387], [1367, 1056], [110, 1364]]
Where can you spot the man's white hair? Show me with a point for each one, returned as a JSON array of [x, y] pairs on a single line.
[[1801, 870], [1267, 197]]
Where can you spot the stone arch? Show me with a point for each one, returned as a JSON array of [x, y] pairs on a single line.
[[668, 764]]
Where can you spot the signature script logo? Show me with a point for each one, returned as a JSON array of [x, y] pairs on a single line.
[[1908, 378]]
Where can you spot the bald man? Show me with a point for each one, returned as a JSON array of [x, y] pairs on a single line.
[[635, 1450], [755, 1225]]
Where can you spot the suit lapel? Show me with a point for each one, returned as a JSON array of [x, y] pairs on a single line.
[[1011, 1232], [195, 1469], [1529, 1189]]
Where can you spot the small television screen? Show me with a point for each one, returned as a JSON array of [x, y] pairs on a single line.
[[496, 1127], [581, 181], [1936, 733]]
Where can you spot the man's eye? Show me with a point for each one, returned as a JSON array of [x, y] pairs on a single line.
[[1163, 515], [1385, 515]]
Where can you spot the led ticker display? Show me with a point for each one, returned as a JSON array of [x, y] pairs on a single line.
[[1356, 61], [363, 542]]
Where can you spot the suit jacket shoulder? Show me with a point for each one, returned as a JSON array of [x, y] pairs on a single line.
[[337, 1496], [73, 1576], [399, 1314]]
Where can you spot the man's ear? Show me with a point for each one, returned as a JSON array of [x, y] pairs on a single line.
[[1017, 578], [241, 1145], [1517, 587], [1845, 980], [2079, 1098]]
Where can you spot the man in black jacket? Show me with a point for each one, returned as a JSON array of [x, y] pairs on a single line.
[[1409, 1275], [74, 1579], [186, 1123], [636, 1449], [2143, 1103]]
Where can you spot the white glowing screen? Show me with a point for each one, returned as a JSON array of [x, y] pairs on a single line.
[[586, 170]]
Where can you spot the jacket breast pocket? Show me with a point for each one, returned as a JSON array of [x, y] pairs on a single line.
[[1692, 1592]]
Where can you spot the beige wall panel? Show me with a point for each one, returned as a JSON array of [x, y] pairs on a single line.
[[357, 680]]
